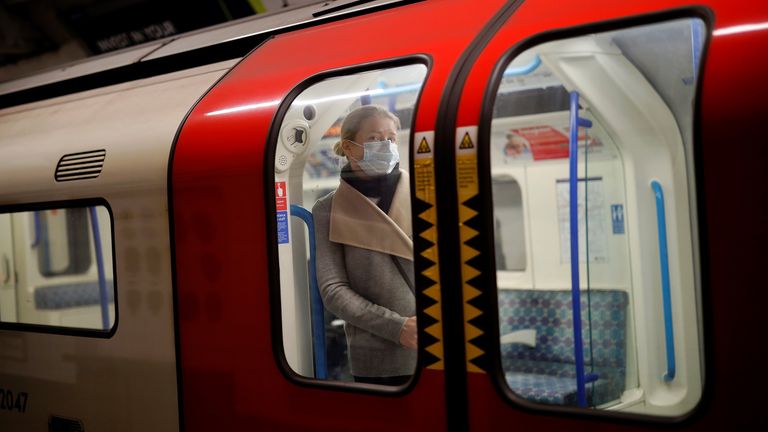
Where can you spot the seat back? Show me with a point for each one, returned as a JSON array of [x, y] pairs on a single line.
[[550, 314]]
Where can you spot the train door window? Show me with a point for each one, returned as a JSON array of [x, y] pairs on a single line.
[[343, 227], [57, 270], [624, 101]]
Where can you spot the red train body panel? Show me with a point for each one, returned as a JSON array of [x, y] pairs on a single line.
[[214, 356], [231, 368]]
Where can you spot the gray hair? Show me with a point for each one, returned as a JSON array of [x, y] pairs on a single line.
[[354, 120]]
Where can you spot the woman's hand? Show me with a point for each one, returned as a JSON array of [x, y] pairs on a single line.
[[409, 335]]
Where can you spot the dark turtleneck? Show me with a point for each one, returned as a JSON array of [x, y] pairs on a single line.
[[381, 187]]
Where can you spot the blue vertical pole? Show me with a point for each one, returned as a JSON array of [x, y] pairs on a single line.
[[669, 333], [578, 349], [103, 294], [38, 229], [317, 311], [41, 241]]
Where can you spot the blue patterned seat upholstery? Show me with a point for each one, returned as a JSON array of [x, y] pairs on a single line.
[[70, 295], [547, 373]]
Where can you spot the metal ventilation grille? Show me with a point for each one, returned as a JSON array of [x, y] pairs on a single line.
[[80, 166], [63, 424]]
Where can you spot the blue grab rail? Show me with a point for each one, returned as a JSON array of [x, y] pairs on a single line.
[[575, 122], [524, 70], [317, 310], [38, 229], [41, 241], [103, 294], [665, 285]]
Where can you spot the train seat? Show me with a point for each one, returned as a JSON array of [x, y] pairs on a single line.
[[546, 372], [64, 296]]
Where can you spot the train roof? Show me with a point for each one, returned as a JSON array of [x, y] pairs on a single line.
[[225, 41]]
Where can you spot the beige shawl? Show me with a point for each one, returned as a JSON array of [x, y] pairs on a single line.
[[357, 221]]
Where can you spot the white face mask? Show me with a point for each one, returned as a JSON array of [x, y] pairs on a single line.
[[379, 157]]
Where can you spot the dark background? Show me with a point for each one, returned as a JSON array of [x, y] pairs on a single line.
[[40, 34]]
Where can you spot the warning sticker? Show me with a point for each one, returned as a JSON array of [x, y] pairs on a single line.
[[466, 162], [281, 198], [466, 139], [466, 180], [466, 142], [282, 227], [426, 248], [423, 147]]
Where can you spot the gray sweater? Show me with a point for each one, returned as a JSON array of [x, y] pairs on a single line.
[[364, 288]]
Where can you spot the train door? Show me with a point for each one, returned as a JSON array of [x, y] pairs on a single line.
[[575, 158], [253, 220]]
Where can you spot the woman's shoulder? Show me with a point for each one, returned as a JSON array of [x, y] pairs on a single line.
[[324, 203]]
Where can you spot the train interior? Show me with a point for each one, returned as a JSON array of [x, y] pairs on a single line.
[[634, 91], [57, 268]]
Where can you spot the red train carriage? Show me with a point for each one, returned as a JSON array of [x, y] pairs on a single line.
[[158, 248]]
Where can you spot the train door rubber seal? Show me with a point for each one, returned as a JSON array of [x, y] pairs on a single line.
[[447, 207]]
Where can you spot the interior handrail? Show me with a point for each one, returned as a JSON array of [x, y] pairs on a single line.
[[524, 70], [317, 309], [578, 349], [103, 294], [665, 284]]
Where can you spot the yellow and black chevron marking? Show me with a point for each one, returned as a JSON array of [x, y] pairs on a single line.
[[425, 246], [473, 286]]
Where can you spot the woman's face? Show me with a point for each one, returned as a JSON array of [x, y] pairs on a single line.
[[376, 128]]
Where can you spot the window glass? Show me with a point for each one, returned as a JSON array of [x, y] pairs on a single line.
[[62, 238], [344, 228], [510, 240], [629, 95], [56, 268]]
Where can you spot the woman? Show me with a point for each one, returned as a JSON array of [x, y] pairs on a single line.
[[365, 251]]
